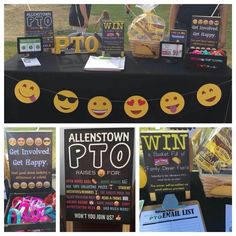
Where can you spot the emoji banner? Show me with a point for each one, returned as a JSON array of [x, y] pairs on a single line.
[[30, 160], [166, 157], [98, 174], [204, 32], [135, 106]]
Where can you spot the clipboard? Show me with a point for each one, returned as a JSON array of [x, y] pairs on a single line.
[[180, 205]]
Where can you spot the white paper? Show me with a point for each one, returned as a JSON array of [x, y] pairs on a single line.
[[29, 62], [105, 63], [186, 219], [228, 218]]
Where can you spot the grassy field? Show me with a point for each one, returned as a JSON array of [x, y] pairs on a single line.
[[14, 22]]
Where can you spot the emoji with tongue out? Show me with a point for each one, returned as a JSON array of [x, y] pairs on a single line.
[[99, 107], [27, 91], [136, 106], [172, 103], [209, 95]]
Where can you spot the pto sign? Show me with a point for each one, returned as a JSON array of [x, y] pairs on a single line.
[[63, 43]]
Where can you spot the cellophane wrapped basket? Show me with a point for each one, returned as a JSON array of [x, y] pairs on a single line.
[[214, 161], [145, 33]]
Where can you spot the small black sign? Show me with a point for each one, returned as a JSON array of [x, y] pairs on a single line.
[[171, 50], [40, 23], [29, 45], [30, 160], [204, 32], [98, 174], [166, 157], [178, 36], [113, 36]]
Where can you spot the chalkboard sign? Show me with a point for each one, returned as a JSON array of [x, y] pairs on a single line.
[[204, 32], [166, 157], [40, 23], [30, 161], [178, 36], [98, 174], [113, 36]]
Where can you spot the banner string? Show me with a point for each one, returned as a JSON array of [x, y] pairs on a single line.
[[116, 101]]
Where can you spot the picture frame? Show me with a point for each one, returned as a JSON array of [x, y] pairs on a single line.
[[171, 50], [29, 45]]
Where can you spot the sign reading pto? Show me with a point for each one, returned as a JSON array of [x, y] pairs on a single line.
[[40, 23], [98, 174], [167, 160]]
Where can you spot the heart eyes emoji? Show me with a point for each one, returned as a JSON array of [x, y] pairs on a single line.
[[140, 102]]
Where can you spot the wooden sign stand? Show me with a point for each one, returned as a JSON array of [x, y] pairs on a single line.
[[125, 228], [153, 195], [69, 226], [122, 53]]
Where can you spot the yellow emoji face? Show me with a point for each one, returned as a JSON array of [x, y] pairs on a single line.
[[27, 91], [99, 107], [38, 141], [172, 103], [12, 141], [136, 106], [66, 101], [209, 95], [46, 141], [29, 141], [21, 141]]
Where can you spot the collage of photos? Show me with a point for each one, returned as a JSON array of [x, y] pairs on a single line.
[[117, 117]]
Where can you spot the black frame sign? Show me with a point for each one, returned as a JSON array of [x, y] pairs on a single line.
[[166, 158], [113, 36], [30, 160], [171, 50], [29, 45], [40, 23], [178, 36], [99, 174], [204, 32]]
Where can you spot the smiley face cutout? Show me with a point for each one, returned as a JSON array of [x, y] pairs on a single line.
[[172, 103], [66, 101], [209, 95], [136, 106], [27, 91], [99, 107]]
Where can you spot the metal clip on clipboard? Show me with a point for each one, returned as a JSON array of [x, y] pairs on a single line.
[[170, 202]]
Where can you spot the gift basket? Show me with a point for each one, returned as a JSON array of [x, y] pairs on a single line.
[[214, 161], [146, 32]]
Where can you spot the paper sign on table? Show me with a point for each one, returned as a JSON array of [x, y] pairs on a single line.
[[185, 219], [105, 63]]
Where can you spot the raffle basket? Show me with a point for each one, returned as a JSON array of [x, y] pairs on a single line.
[[216, 185], [146, 32], [145, 49]]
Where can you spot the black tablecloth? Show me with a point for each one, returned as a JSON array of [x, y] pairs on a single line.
[[148, 78], [213, 209]]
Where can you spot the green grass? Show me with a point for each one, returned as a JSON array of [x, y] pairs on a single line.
[[117, 12]]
